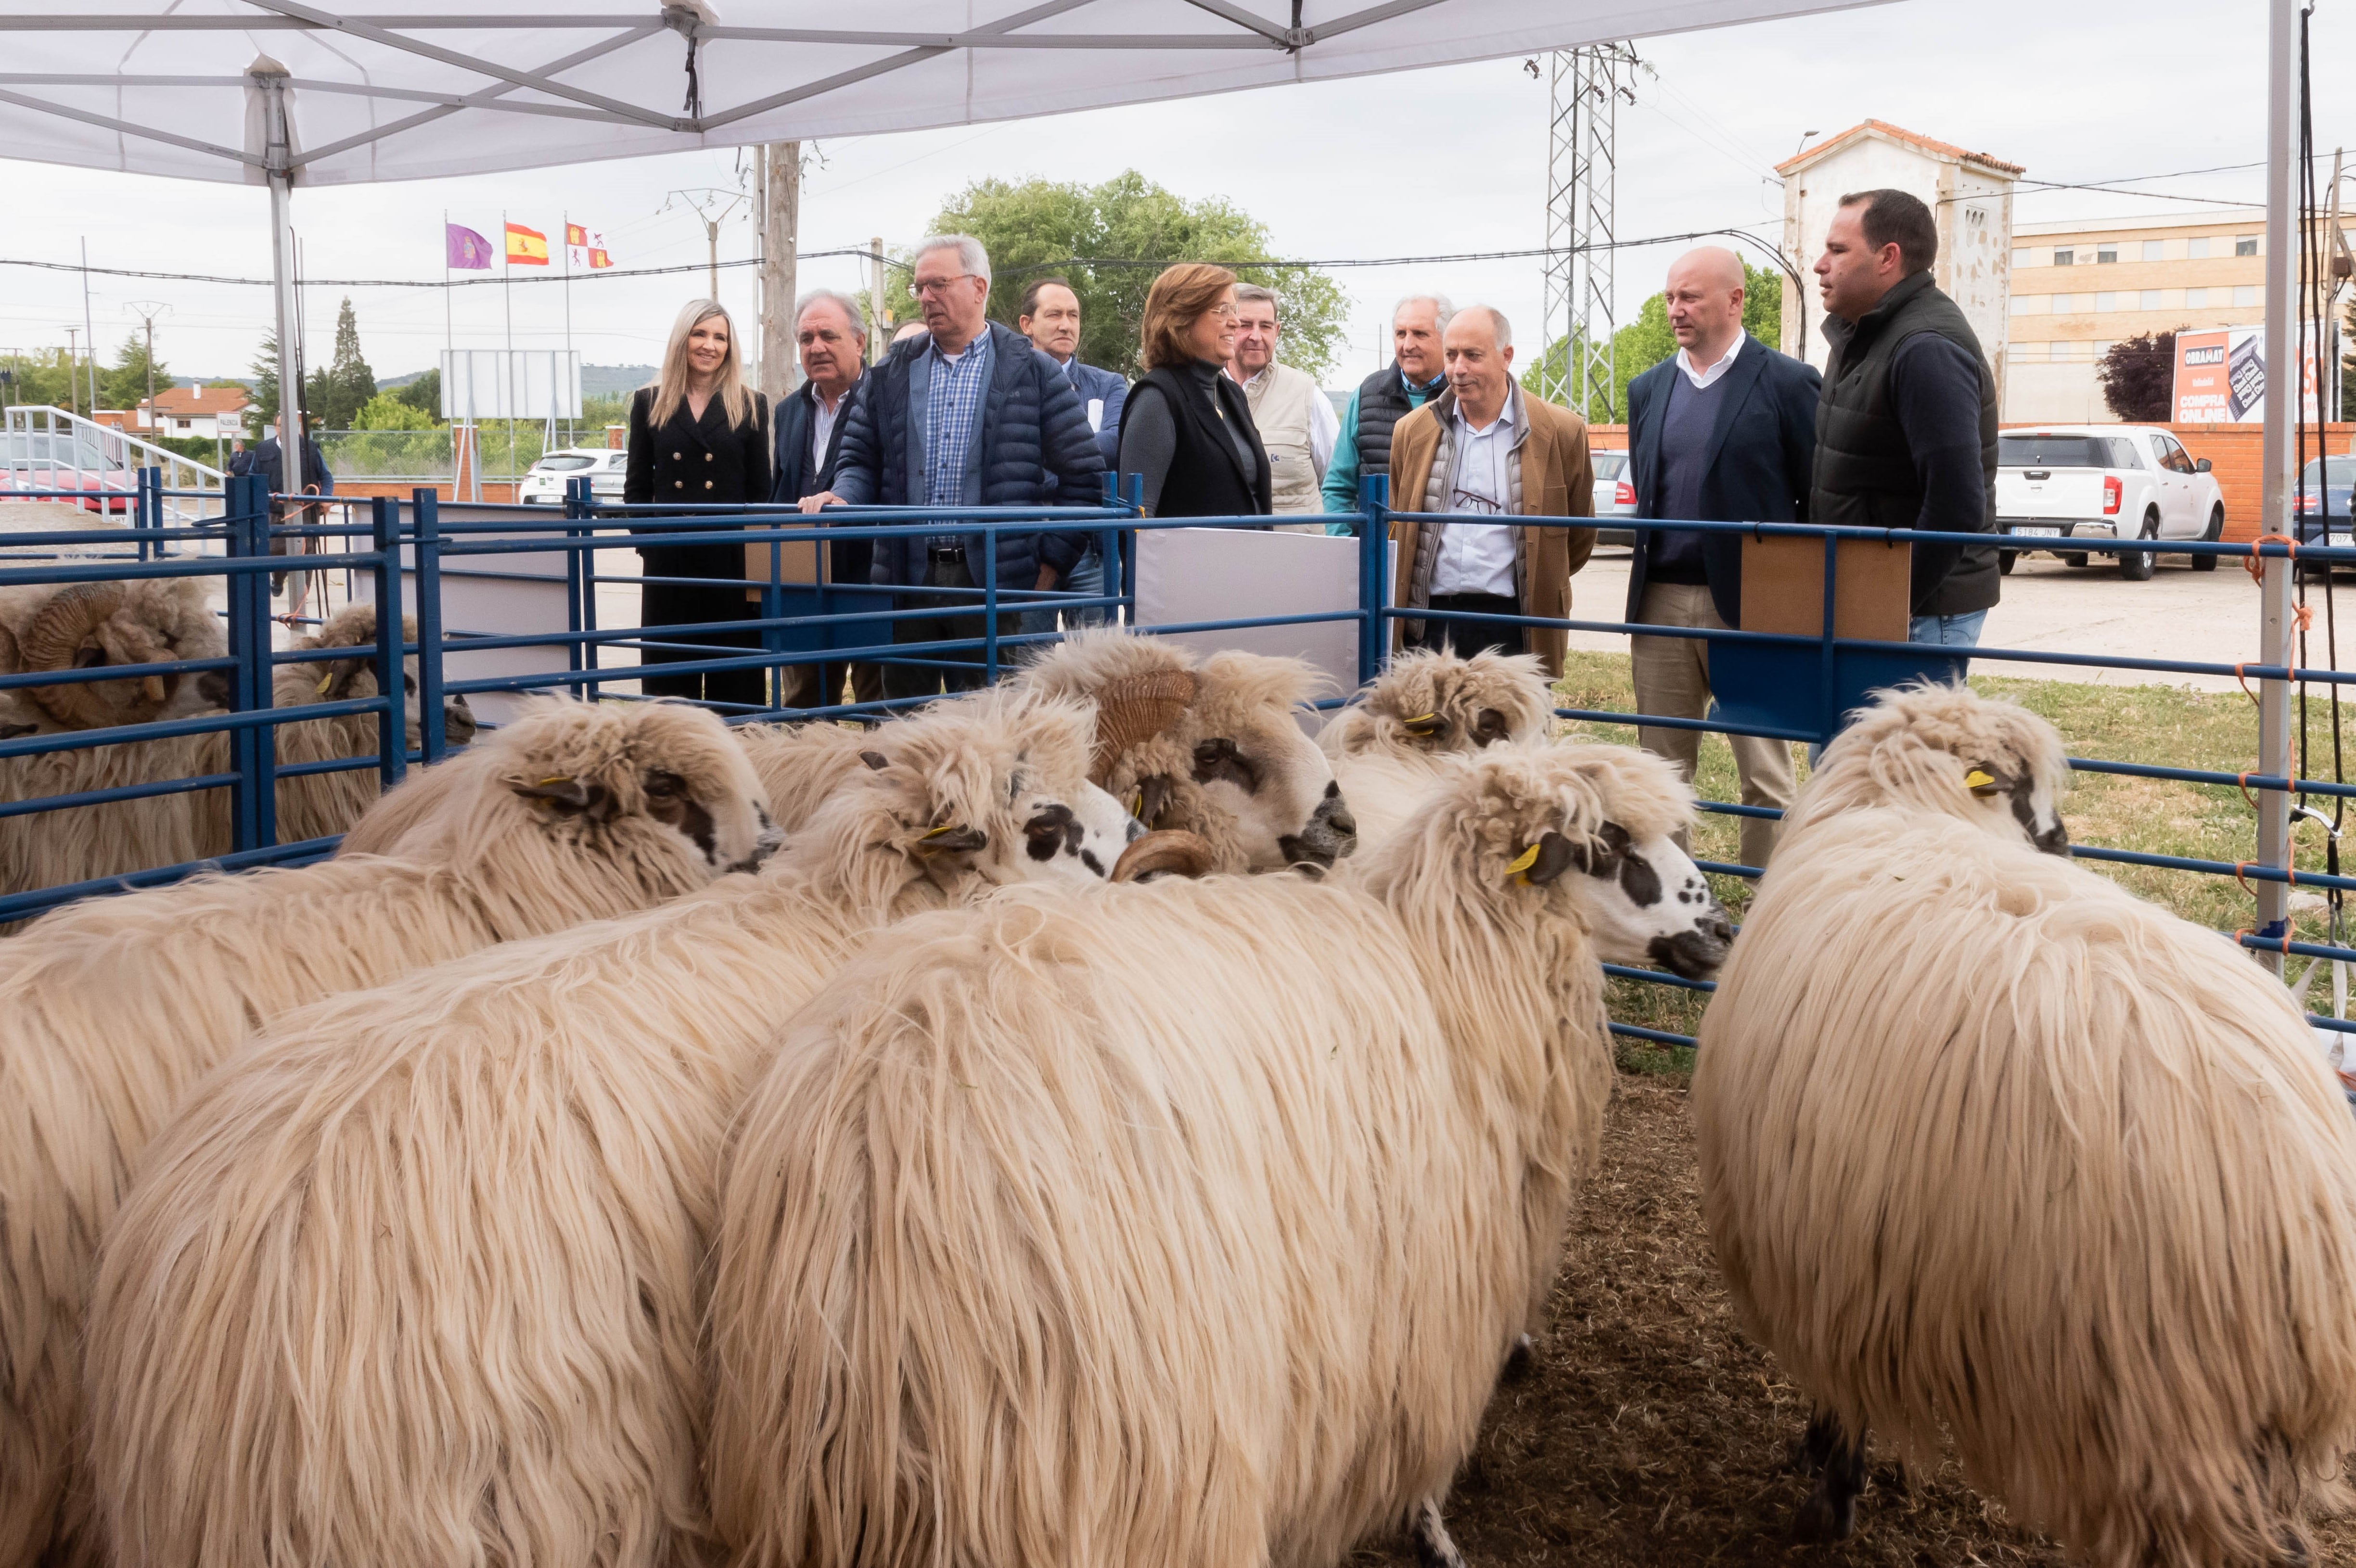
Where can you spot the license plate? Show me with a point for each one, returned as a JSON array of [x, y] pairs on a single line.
[[2036, 533]]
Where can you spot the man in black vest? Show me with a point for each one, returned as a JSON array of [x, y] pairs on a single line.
[[1415, 376], [832, 333], [1723, 431], [1906, 428]]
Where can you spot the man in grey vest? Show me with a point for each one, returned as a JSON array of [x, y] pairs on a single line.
[[1906, 428], [1296, 419], [1723, 432]]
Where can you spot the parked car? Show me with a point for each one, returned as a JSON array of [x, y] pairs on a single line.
[[2105, 482], [46, 460], [2326, 489], [603, 467], [1614, 496]]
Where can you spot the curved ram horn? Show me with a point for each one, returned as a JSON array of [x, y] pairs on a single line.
[[1134, 710], [1167, 850], [54, 637]]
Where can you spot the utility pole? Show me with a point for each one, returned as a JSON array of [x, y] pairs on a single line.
[[1582, 164], [89, 334], [147, 311], [73, 372], [712, 205], [781, 214]]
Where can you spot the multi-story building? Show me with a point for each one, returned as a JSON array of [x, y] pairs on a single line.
[[2079, 287]]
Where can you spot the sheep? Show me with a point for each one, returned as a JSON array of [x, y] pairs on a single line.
[[1425, 705], [1995, 1152], [1210, 746], [77, 844], [110, 1009], [1177, 1224], [519, 1150]]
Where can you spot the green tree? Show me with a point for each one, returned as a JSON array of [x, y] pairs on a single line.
[[1035, 228], [1647, 340], [125, 385], [266, 381], [338, 393], [42, 378], [423, 394]]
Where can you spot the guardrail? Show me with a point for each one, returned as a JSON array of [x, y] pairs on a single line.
[[417, 551]]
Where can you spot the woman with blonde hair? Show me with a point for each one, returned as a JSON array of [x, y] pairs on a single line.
[[698, 436], [1187, 426]]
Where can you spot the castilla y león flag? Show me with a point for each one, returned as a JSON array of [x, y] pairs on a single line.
[[465, 250], [526, 247]]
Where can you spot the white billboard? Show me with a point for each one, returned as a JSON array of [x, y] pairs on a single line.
[[510, 384]]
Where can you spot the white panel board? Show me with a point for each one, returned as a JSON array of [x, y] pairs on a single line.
[[511, 383], [494, 595], [1191, 575]]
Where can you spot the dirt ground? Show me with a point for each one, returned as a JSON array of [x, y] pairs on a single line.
[[1654, 1433]]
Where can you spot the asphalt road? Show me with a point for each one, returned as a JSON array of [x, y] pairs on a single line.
[[2047, 607]]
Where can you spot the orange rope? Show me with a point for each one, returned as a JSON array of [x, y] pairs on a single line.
[[2255, 565]]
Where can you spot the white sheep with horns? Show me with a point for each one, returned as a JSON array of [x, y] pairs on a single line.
[[1207, 744], [76, 844], [518, 1150], [112, 1008], [1182, 1224], [1386, 744], [1996, 1153]]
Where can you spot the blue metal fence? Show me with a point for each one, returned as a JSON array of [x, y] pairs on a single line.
[[406, 552]]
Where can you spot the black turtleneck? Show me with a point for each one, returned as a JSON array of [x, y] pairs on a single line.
[[1150, 438]]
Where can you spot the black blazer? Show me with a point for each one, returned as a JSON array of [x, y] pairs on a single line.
[[1762, 450], [797, 477], [692, 460]]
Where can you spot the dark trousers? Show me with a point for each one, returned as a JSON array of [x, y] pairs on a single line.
[[820, 685], [929, 680], [664, 605], [1471, 636]]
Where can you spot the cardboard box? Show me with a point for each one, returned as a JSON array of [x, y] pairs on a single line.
[[1783, 588], [796, 564]]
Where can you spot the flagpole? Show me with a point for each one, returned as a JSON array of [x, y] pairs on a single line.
[[449, 332], [507, 287], [567, 293]]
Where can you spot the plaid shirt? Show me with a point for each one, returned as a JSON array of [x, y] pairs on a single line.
[[952, 415]]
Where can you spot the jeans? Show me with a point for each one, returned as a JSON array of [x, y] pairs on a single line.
[[1937, 631], [1471, 636], [1087, 577]]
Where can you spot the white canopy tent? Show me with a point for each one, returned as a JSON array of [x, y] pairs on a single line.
[[286, 93]]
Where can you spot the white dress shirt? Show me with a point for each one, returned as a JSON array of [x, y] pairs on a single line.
[[822, 420], [1324, 425], [1702, 378], [1478, 558]]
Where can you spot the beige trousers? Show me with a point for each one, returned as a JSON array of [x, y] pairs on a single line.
[[1672, 678]]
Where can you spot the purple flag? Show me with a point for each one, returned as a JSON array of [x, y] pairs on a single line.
[[468, 250]]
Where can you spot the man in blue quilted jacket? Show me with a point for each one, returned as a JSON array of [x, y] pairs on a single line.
[[968, 415]]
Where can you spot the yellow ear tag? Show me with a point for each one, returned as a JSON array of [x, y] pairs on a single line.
[[1422, 723], [326, 681], [560, 778], [1519, 871], [1980, 782], [936, 833], [1137, 805]]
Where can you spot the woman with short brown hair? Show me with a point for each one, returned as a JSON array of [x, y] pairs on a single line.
[[1187, 428], [698, 436]]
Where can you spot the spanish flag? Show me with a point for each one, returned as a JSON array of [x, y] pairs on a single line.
[[526, 247]]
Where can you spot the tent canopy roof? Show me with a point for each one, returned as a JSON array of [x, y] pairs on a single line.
[[418, 89]]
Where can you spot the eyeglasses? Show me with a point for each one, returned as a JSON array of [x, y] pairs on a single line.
[[1224, 312], [938, 285]]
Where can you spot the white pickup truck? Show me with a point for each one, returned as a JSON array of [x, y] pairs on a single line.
[[2105, 482]]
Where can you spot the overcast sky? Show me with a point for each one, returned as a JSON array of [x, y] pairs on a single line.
[[1444, 160]]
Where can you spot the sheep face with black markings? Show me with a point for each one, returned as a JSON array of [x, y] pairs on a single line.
[[1212, 746], [1989, 762], [1426, 706]]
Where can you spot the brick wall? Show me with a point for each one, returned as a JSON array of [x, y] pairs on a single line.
[[493, 489]]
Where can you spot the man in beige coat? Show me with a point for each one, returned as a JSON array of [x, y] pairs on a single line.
[[1483, 450]]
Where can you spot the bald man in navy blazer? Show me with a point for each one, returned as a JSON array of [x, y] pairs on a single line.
[[1724, 430]]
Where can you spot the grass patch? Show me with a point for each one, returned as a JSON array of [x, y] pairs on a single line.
[[2165, 726]]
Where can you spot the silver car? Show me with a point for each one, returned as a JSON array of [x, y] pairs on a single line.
[[1614, 495]]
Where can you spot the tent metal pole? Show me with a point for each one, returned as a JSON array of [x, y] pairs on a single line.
[[278, 142], [2281, 408]]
